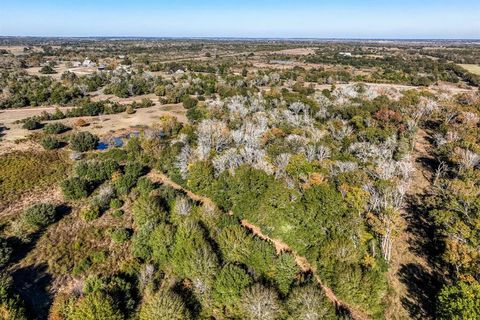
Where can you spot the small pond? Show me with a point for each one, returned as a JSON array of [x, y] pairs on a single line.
[[117, 141]]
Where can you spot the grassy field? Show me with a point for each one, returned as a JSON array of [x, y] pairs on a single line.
[[21, 172], [473, 68]]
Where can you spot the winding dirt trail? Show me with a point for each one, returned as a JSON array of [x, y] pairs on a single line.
[[279, 245], [410, 272]]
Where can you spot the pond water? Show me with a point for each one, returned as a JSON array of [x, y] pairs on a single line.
[[116, 141]]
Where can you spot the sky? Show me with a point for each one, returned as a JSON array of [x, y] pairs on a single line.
[[395, 19]]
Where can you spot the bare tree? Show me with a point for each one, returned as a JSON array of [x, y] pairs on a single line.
[[212, 134], [260, 303], [468, 159]]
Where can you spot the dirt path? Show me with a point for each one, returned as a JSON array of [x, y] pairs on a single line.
[[410, 274], [279, 245]]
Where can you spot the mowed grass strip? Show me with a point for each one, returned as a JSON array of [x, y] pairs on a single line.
[[21, 172]]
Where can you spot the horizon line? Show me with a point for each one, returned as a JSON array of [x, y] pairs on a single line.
[[127, 37]]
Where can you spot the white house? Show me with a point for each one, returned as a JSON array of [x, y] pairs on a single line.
[[88, 63]]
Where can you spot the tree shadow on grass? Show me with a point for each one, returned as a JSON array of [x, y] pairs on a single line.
[[423, 282], [422, 287], [32, 283], [22, 247], [185, 291]]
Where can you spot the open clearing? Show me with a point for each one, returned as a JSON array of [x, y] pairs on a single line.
[[297, 51], [473, 68], [99, 125]]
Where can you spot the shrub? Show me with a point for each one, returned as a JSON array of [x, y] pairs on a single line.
[[124, 184], [39, 215], [31, 124], [97, 171], [55, 128], [5, 252], [50, 143], [134, 169], [116, 203], [75, 188], [83, 141], [81, 123], [47, 70], [120, 235], [189, 102], [90, 213], [117, 213], [130, 110]]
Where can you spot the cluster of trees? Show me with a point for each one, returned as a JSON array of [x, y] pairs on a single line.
[[21, 90], [86, 108], [194, 66], [404, 69], [125, 86], [327, 175], [453, 205]]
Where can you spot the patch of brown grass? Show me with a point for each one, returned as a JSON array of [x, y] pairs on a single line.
[[23, 172]]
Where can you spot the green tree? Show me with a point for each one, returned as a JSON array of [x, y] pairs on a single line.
[[50, 143], [189, 102], [83, 141], [39, 215], [161, 241], [163, 305], [285, 273], [97, 171], [200, 177], [55, 128], [96, 306], [460, 301], [47, 69], [31, 124], [75, 188], [235, 244], [192, 255], [229, 284]]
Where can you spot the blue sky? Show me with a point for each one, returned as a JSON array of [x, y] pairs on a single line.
[[245, 18]]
